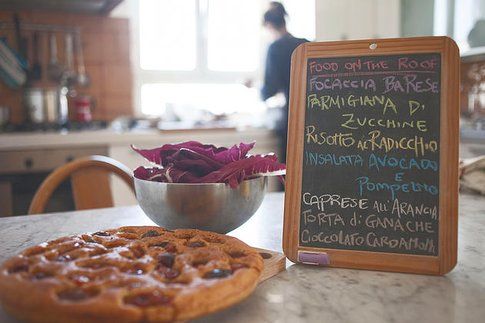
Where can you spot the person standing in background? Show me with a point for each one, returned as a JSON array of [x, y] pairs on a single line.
[[476, 37], [277, 69]]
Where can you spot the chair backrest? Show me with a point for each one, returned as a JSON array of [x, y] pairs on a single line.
[[90, 183]]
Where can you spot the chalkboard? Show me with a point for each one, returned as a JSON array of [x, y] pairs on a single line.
[[371, 154], [368, 134]]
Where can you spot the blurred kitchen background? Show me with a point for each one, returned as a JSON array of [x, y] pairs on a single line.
[[83, 77]]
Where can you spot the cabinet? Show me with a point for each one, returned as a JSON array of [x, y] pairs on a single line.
[[357, 19], [22, 172]]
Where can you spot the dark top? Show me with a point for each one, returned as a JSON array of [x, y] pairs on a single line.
[[277, 72]]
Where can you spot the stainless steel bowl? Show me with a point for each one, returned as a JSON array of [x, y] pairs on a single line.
[[213, 207]]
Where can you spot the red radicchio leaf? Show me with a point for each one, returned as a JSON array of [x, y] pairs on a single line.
[[193, 162], [152, 155], [168, 151], [234, 153], [190, 160], [158, 155], [175, 175], [253, 166], [165, 175], [150, 174], [214, 156]]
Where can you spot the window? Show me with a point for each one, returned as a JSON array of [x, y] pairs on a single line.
[[167, 35], [457, 19], [196, 54], [185, 99], [467, 13], [301, 18], [233, 35]]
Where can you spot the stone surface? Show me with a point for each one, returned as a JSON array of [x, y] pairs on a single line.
[[40, 140], [306, 293]]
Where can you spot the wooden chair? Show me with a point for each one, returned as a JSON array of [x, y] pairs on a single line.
[[90, 183]]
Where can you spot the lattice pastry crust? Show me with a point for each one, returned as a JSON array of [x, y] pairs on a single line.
[[129, 274]]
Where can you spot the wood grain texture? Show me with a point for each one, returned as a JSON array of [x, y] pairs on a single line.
[[274, 263], [90, 182], [449, 143], [449, 138], [294, 153], [91, 188]]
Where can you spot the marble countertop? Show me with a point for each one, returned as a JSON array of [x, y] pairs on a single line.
[[307, 293], [109, 137]]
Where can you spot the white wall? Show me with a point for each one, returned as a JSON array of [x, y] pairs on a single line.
[[357, 19], [129, 9]]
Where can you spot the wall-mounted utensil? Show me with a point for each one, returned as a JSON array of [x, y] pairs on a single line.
[[11, 67], [69, 77], [4, 116], [54, 69], [51, 99], [36, 68], [82, 77], [21, 41]]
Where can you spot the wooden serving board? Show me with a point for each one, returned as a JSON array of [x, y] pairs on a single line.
[[274, 263]]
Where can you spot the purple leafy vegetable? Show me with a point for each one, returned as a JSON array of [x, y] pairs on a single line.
[[194, 162], [165, 175], [251, 167], [150, 174]]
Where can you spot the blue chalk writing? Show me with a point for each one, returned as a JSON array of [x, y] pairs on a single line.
[[365, 185]]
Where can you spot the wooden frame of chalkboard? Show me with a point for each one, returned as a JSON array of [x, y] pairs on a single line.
[[375, 201]]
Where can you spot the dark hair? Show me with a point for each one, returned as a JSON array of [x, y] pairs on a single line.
[[476, 36], [275, 15]]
